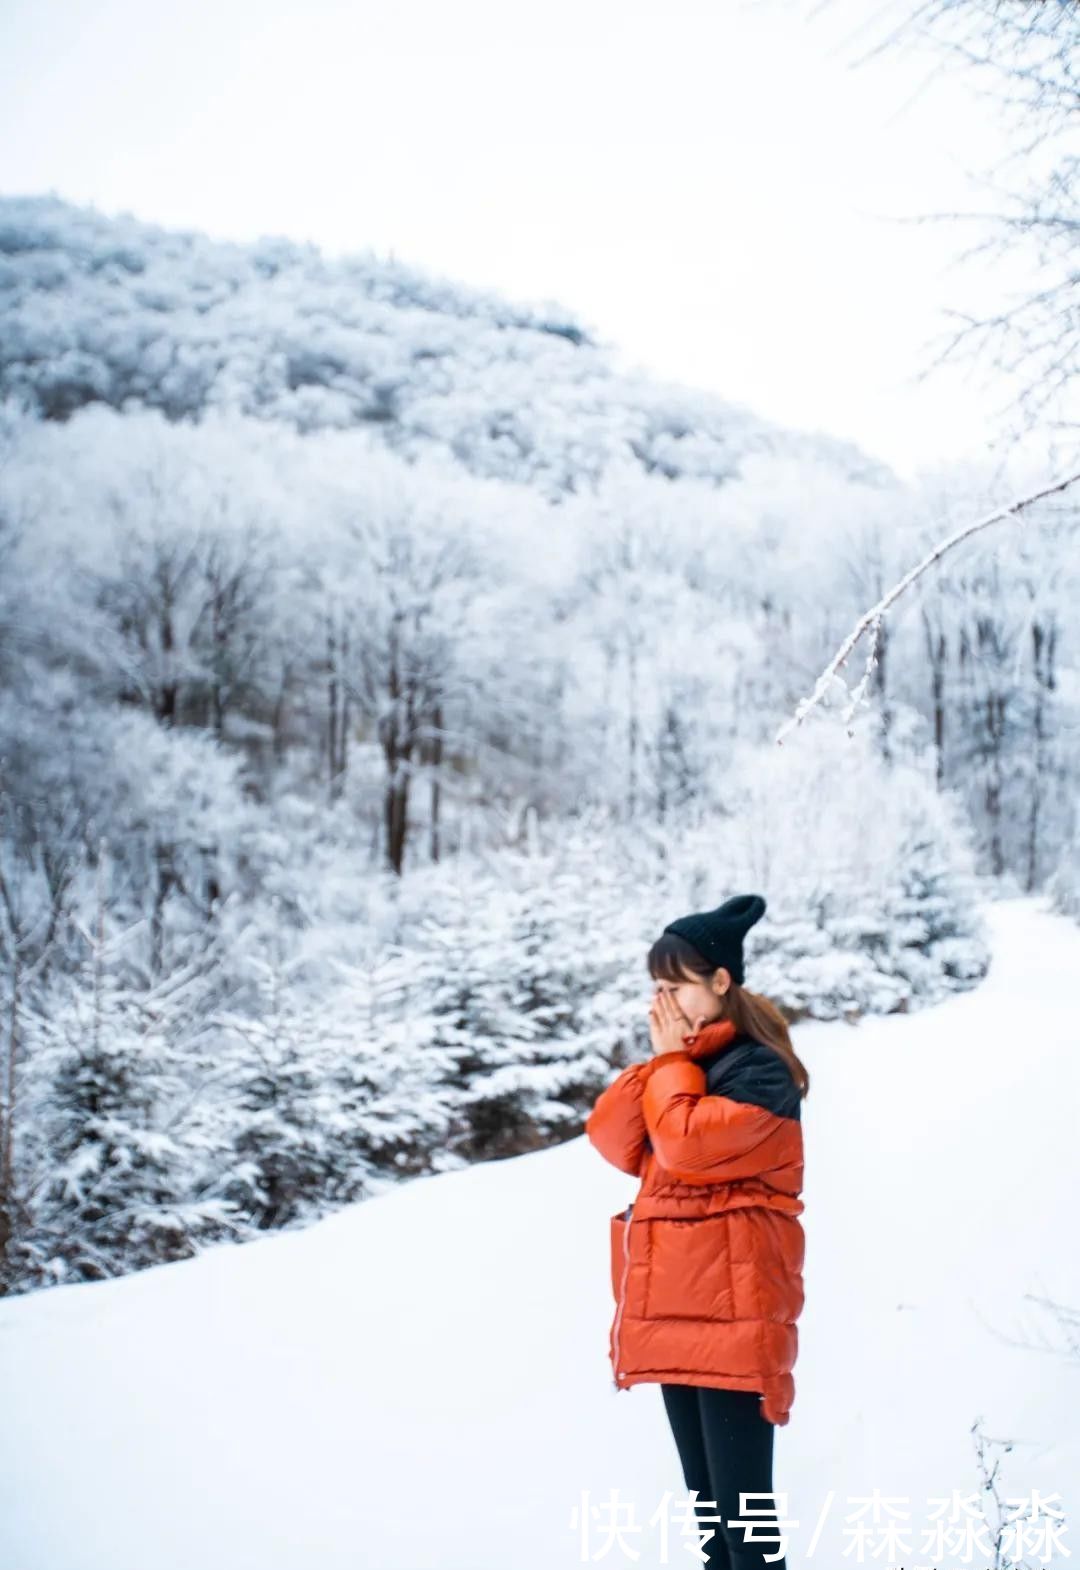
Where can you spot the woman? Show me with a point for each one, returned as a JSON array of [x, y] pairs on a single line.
[[706, 1264]]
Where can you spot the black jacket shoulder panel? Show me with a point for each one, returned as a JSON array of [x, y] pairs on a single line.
[[753, 1072]]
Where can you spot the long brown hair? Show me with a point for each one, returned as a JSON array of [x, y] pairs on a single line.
[[672, 958]]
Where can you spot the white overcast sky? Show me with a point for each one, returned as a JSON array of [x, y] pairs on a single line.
[[711, 184]]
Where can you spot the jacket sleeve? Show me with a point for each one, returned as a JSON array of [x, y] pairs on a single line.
[[616, 1125], [701, 1138]]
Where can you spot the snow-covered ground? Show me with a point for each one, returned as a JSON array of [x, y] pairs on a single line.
[[421, 1381]]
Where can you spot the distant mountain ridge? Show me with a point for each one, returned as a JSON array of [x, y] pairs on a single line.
[[116, 310]]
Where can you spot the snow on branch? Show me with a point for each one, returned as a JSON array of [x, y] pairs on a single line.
[[871, 619]]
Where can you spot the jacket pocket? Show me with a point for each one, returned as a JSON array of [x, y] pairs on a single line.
[[690, 1268]]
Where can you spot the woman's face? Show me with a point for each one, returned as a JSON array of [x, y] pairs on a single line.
[[695, 995]]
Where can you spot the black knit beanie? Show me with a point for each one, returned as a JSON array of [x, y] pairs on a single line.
[[718, 934]]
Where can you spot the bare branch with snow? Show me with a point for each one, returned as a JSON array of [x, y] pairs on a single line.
[[871, 619]]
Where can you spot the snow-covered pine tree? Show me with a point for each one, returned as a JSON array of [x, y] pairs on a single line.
[[105, 1165], [282, 1121]]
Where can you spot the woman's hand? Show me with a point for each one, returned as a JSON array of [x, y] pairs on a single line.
[[668, 1024]]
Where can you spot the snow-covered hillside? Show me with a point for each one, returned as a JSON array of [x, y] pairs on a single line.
[[95, 308], [420, 1381]]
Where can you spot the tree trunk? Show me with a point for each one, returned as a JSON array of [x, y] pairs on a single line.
[[1043, 641], [937, 649], [435, 758], [331, 705]]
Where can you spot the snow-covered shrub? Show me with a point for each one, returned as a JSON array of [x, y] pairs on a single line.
[[873, 900]]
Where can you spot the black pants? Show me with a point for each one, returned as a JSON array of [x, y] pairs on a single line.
[[726, 1448]]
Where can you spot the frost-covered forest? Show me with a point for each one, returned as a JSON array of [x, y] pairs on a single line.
[[380, 669]]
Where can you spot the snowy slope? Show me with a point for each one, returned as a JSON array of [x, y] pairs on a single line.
[[420, 1382]]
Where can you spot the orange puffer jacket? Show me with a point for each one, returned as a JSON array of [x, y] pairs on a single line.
[[706, 1263]]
